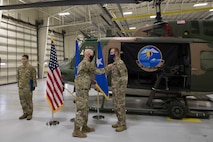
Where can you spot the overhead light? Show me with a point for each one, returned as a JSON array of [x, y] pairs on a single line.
[[153, 16], [211, 10], [2, 64], [64, 14], [200, 4], [132, 28], [22, 1], [127, 13], [46, 63], [104, 5]]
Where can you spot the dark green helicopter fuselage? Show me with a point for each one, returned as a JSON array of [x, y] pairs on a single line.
[[185, 58]]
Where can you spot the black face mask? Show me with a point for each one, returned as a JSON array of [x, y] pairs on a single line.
[[91, 58], [110, 60]]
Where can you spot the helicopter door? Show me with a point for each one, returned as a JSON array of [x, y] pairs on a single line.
[[201, 67]]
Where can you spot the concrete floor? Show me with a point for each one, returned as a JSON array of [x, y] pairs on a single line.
[[140, 127]]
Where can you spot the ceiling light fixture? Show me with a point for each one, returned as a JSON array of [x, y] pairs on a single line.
[[22, 1], [154, 16], [200, 4], [64, 14], [127, 13], [132, 28], [211, 10]]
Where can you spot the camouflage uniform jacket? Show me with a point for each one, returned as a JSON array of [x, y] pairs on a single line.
[[86, 71], [24, 75], [85, 74], [119, 75]]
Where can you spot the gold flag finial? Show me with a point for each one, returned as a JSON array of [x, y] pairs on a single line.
[[52, 40]]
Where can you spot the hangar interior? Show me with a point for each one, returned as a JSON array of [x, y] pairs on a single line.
[[146, 128], [27, 27]]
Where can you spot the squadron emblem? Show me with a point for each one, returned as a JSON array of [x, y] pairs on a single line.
[[149, 58]]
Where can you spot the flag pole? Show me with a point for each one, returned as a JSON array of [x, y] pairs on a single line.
[[74, 98], [74, 101], [54, 72], [77, 61], [52, 121], [98, 116], [101, 81]]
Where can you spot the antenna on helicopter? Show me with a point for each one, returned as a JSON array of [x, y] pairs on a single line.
[[160, 28], [158, 11]]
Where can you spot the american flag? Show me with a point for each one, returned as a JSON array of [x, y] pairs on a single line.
[[54, 82]]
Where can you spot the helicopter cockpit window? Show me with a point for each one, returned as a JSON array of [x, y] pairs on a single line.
[[206, 58], [195, 27], [207, 28]]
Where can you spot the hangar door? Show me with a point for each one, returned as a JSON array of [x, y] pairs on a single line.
[[16, 39]]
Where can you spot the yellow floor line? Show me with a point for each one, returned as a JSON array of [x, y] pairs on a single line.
[[194, 120]]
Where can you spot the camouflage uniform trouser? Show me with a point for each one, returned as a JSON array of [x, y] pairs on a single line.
[[25, 96], [82, 108], [119, 96]]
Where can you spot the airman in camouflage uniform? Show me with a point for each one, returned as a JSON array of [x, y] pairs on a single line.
[[119, 84], [26, 77], [83, 81]]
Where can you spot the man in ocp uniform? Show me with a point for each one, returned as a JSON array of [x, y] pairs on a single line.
[[26, 77], [84, 79], [119, 80]]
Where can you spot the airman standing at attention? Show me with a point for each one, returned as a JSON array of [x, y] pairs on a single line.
[[84, 79], [26, 78], [119, 80]]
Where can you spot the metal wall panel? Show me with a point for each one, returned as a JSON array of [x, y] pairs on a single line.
[[16, 39]]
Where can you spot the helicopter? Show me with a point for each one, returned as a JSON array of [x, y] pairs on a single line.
[[168, 61]]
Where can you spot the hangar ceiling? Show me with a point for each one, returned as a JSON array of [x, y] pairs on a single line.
[[95, 18]]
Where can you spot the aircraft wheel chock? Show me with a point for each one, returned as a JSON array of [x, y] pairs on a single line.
[[177, 110]]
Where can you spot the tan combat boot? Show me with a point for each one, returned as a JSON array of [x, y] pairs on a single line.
[[29, 117], [115, 125], [23, 116], [78, 133], [87, 129], [120, 128]]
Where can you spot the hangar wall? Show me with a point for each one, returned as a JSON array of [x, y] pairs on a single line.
[[18, 37], [15, 40], [69, 46]]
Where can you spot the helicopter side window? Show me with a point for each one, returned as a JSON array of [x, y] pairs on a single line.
[[195, 27], [206, 60], [207, 28]]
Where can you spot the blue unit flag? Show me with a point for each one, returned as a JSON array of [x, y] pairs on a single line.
[[101, 79], [77, 58]]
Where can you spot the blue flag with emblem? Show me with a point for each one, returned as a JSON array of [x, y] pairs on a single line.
[[77, 58], [101, 79]]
